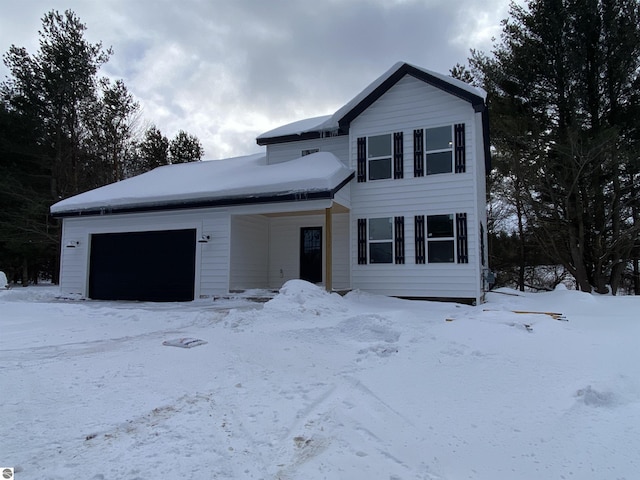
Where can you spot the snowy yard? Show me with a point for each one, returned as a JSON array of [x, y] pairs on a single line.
[[314, 386]]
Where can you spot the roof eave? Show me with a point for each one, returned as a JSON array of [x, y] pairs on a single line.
[[262, 141], [231, 201]]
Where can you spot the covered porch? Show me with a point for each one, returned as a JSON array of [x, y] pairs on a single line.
[[269, 248]]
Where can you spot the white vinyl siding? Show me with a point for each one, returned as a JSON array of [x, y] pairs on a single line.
[[249, 252], [283, 152]]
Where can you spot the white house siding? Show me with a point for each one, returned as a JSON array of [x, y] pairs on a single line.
[[409, 105], [212, 258], [249, 251], [284, 152], [343, 196], [284, 248]]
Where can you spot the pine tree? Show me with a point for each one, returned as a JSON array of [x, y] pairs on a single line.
[[185, 148], [564, 82]]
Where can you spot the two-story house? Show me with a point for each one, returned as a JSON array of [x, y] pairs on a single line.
[[386, 195]]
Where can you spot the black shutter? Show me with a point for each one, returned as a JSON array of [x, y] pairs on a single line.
[[418, 153], [482, 243], [419, 234], [461, 238], [398, 156], [362, 159], [458, 132], [399, 239], [362, 241]]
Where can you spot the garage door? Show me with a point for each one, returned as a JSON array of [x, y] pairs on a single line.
[[148, 266]]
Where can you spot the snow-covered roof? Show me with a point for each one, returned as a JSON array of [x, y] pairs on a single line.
[[237, 180], [297, 128], [334, 122]]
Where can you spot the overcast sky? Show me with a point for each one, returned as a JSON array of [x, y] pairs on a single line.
[[229, 70]]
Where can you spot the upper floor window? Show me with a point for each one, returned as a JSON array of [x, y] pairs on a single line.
[[379, 156], [442, 149], [439, 150]]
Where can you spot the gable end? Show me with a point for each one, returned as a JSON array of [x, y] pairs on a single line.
[[475, 100]]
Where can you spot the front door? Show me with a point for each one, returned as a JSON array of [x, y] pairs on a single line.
[[311, 254]]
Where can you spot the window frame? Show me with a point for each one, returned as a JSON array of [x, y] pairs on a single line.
[[371, 241], [429, 151], [431, 240], [371, 158]]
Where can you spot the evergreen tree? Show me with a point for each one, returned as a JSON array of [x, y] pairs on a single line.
[[112, 122], [185, 148], [151, 152], [56, 85], [28, 243], [563, 85]]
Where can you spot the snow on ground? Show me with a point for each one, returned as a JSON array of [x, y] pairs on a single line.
[[315, 386]]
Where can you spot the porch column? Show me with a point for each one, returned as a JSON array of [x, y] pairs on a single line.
[[328, 254]]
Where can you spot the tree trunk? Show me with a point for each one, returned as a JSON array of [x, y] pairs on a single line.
[[25, 272]]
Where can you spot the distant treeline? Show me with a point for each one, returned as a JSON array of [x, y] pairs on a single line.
[[65, 130]]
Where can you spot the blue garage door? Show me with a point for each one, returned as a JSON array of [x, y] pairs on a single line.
[[148, 266]]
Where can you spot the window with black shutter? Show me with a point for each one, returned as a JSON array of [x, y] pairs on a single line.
[[460, 149], [362, 241], [419, 238], [399, 239], [380, 157]]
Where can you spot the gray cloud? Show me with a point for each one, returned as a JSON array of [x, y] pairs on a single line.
[[227, 71]]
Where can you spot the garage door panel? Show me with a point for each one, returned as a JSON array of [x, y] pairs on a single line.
[[149, 266]]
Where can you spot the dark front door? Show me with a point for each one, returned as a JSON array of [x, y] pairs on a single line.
[[311, 254], [147, 266]]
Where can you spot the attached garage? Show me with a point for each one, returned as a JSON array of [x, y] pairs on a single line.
[[157, 266], [198, 230]]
